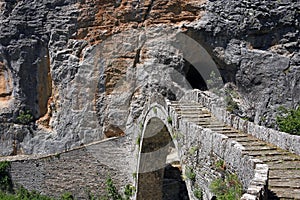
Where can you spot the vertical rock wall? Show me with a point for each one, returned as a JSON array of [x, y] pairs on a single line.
[[53, 63]]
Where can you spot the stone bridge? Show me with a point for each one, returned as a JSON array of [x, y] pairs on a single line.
[[188, 137]]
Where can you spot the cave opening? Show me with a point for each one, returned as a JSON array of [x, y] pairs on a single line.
[[194, 77], [36, 82]]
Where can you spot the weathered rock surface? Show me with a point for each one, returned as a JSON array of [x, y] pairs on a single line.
[[84, 69], [256, 45]]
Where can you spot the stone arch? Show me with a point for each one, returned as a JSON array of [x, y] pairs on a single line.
[[155, 145]]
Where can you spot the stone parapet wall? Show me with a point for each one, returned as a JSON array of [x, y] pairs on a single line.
[[281, 139], [251, 172], [78, 171]]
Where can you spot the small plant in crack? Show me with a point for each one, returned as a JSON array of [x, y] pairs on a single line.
[[155, 110], [193, 150], [24, 117], [190, 174], [169, 120], [141, 126], [138, 140]]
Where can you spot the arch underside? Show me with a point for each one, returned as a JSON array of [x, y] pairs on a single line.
[[158, 179]]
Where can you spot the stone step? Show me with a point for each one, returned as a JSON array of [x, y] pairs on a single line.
[[293, 165], [231, 131], [259, 148], [235, 136], [284, 167], [266, 153], [199, 116], [191, 110], [286, 193], [280, 173], [193, 118], [285, 157], [252, 143], [196, 116], [285, 183], [184, 103], [188, 106], [246, 139], [193, 113], [221, 129], [226, 131], [213, 126], [209, 122]]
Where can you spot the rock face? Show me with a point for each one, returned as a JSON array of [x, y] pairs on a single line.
[[84, 69], [256, 45]]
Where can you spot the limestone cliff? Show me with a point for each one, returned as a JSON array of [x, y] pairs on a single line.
[[84, 69]]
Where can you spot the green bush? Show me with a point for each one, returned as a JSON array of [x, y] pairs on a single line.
[[230, 104], [5, 196], [129, 191], [228, 188], [24, 194], [67, 196], [198, 193], [25, 117], [112, 192], [289, 120], [5, 180], [220, 164], [190, 174]]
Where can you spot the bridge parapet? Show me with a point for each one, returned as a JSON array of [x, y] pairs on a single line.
[[281, 139]]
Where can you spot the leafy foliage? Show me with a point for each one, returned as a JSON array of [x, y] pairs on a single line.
[[193, 150], [198, 193], [25, 117], [289, 121], [5, 180], [230, 104], [129, 191], [220, 164], [23, 194], [228, 188], [113, 193], [67, 196], [190, 174], [138, 140], [169, 119], [230, 94]]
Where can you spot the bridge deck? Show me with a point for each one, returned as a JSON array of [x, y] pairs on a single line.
[[284, 167]]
